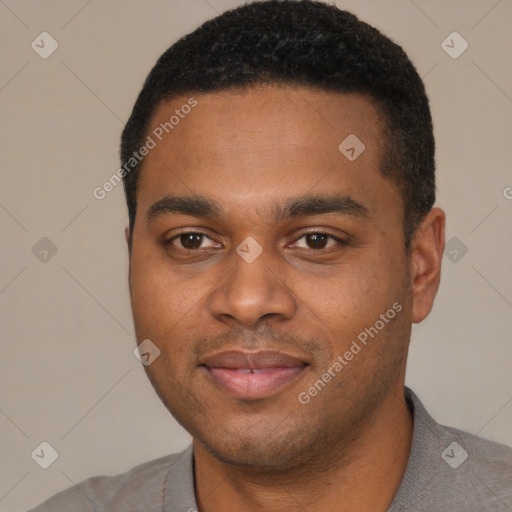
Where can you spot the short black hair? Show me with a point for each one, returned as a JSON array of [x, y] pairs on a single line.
[[304, 43]]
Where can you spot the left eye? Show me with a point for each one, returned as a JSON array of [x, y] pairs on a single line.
[[318, 240]]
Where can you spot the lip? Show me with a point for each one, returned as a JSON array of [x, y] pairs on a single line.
[[252, 375]]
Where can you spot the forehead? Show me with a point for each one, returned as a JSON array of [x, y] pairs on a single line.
[[246, 148]]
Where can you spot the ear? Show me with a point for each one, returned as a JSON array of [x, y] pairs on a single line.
[[127, 238], [427, 249]]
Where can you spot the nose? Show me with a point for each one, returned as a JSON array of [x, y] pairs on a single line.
[[252, 291]]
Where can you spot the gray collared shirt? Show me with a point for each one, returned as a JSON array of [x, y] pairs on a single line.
[[448, 471]]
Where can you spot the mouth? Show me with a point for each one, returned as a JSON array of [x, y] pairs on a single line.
[[257, 375]]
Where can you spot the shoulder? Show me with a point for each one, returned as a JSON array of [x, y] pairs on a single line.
[[142, 487], [449, 467], [482, 451], [486, 465]]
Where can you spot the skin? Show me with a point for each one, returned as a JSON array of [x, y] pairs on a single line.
[[251, 151]]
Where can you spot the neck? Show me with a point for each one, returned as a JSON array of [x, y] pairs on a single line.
[[361, 474]]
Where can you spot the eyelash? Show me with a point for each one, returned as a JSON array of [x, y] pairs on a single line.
[[340, 241]]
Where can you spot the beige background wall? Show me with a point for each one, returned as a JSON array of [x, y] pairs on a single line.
[[67, 372]]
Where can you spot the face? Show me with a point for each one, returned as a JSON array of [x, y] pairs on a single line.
[[269, 269]]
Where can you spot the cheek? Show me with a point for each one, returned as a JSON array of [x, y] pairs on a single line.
[[158, 299], [355, 296], [163, 308], [166, 300], [352, 287]]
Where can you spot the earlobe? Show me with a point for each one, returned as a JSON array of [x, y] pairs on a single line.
[[425, 262]]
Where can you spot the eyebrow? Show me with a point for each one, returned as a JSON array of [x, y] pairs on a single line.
[[308, 205]]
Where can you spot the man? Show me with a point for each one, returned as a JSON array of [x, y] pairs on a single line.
[[279, 173]]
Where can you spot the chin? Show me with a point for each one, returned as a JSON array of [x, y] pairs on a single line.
[[255, 456], [263, 450]]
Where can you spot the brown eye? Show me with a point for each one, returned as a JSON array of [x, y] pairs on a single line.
[[318, 241], [189, 241]]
